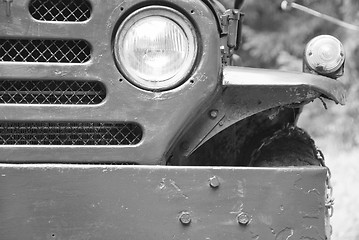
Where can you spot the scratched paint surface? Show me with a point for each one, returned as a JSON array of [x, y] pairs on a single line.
[[125, 102], [142, 202]]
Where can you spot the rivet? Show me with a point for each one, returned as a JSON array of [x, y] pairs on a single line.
[[243, 218], [213, 114], [221, 123], [185, 218], [214, 182]]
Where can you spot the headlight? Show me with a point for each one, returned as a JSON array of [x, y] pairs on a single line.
[[324, 54], [156, 48]]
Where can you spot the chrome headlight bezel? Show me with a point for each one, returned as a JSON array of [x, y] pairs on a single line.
[[188, 64]]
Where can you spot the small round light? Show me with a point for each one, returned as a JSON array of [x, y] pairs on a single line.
[[156, 48], [324, 54]]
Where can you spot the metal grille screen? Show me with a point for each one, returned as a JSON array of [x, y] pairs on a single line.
[[60, 10], [54, 51], [51, 92], [69, 133]]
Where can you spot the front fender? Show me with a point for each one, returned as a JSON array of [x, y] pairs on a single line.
[[248, 91], [266, 78]]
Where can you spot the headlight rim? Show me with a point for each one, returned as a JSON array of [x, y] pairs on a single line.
[[187, 27]]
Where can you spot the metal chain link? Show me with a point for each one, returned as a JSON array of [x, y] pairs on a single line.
[[329, 199]]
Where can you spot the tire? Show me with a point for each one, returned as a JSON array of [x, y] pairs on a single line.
[[289, 146]]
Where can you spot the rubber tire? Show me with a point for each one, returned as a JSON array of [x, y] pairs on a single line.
[[290, 146]]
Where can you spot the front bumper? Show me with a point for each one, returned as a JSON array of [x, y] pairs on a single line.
[[58, 201]]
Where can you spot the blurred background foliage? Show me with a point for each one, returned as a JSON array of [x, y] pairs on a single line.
[[273, 38]]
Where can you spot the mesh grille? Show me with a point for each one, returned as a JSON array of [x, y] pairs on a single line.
[[69, 133], [60, 10], [51, 92], [55, 51]]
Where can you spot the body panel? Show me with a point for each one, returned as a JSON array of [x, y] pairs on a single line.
[[249, 91], [265, 78], [54, 201], [162, 115]]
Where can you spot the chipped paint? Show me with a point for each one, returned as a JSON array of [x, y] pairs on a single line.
[[171, 189], [296, 83], [284, 234], [138, 202]]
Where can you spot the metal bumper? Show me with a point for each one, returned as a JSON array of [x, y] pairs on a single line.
[[43, 201]]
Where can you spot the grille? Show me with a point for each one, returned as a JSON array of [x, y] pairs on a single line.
[[69, 133], [51, 92], [54, 51], [60, 10]]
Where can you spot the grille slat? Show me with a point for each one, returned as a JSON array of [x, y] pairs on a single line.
[[51, 92], [48, 51], [60, 10], [69, 133]]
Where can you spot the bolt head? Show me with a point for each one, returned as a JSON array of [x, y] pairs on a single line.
[[213, 114], [185, 218], [214, 182], [243, 218]]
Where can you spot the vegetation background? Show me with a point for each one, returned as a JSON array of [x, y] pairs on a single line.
[[273, 38]]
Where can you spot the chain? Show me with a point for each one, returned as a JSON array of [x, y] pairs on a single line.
[[329, 199]]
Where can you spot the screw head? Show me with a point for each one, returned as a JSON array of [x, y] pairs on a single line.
[[185, 218], [243, 218], [214, 182], [213, 114]]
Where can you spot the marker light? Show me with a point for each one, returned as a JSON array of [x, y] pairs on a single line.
[[156, 48], [324, 54]]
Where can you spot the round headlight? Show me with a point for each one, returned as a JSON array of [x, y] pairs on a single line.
[[324, 54], [156, 48]]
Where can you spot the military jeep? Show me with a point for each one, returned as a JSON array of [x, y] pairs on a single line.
[[130, 120]]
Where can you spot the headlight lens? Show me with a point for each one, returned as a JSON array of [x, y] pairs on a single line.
[[156, 48], [324, 54]]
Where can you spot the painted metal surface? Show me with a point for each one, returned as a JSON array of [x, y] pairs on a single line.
[[248, 91], [161, 114], [265, 78], [168, 118], [156, 202]]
